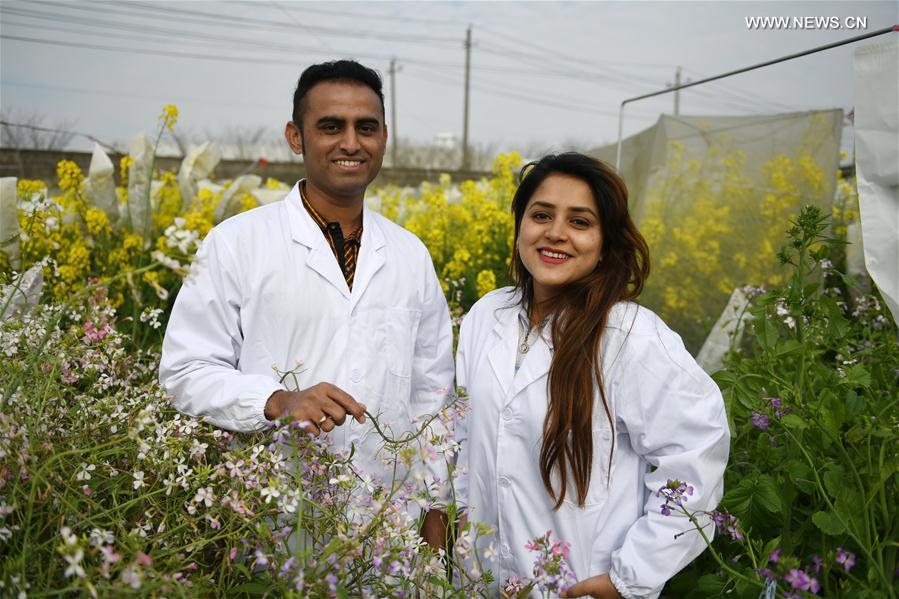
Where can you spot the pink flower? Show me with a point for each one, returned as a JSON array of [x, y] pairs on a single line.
[[143, 559]]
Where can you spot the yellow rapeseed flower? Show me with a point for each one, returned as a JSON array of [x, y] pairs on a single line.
[[96, 221], [486, 282], [169, 116], [69, 175]]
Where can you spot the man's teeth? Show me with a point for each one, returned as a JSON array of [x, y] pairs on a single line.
[[349, 162], [556, 255]]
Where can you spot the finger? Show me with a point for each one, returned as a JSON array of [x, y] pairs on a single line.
[[333, 410], [309, 427], [327, 424], [580, 589], [347, 402]]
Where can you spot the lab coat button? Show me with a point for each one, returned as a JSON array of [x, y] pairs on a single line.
[[505, 550], [356, 375], [505, 482], [507, 413]]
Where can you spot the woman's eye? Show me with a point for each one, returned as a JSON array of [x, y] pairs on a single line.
[[540, 216], [579, 222]]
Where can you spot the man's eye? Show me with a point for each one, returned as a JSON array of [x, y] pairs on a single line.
[[368, 129], [330, 128]]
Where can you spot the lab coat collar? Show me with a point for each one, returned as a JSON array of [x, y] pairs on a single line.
[[372, 255], [304, 230], [502, 355]]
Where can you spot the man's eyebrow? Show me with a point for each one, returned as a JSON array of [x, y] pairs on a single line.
[[331, 119], [543, 204]]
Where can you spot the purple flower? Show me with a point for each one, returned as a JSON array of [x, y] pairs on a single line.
[[847, 558], [674, 492], [798, 579], [817, 562], [774, 557], [813, 586], [727, 524], [759, 420]]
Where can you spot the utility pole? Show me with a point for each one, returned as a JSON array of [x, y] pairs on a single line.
[[393, 128], [465, 117], [677, 91]]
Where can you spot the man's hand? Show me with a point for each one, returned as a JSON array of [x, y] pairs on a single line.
[[599, 587], [433, 529], [323, 406]]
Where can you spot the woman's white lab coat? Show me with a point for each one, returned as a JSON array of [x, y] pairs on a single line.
[[266, 294], [669, 420]]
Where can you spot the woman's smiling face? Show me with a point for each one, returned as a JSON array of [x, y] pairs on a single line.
[[560, 240]]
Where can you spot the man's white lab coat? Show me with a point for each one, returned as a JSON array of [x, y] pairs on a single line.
[[669, 420], [266, 294]]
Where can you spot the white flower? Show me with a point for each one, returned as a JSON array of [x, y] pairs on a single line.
[[204, 495], [138, 480], [85, 472], [74, 561], [101, 537], [270, 493]]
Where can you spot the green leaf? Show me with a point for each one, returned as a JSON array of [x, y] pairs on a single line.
[[342, 593], [801, 475], [766, 332], [834, 479], [766, 493], [253, 588], [793, 421], [829, 523], [787, 347], [857, 376], [710, 585], [855, 403], [847, 279], [758, 491]]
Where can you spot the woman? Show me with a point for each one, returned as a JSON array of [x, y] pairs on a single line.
[[584, 404]]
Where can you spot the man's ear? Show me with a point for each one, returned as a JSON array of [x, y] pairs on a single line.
[[294, 137]]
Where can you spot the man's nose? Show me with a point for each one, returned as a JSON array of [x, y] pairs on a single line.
[[349, 141]]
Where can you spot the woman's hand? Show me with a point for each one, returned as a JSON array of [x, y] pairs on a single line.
[[599, 587]]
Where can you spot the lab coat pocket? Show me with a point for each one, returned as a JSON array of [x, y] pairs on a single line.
[[402, 330], [598, 490]]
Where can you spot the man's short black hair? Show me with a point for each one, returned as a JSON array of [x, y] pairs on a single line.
[[348, 71]]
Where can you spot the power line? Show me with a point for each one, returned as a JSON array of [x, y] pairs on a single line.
[[52, 130], [209, 18]]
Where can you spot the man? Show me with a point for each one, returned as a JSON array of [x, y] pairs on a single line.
[[319, 287]]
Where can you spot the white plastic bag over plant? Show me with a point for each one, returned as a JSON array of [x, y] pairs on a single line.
[[100, 185], [877, 163], [9, 220], [139, 175], [729, 326], [22, 293], [230, 201], [197, 165]]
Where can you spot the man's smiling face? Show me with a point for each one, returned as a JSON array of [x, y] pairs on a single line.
[[343, 139]]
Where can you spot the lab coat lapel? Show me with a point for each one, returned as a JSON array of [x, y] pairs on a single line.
[[304, 231], [534, 367], [502, 355], [371, 256]]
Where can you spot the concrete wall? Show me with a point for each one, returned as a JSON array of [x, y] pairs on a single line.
[[41, 164]]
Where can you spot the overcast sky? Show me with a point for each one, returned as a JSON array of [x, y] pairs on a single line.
[[544, 74]]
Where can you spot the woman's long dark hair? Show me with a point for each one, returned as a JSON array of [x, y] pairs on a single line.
[[580, 313]]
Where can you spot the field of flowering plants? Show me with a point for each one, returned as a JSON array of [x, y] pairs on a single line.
[[105, 490]]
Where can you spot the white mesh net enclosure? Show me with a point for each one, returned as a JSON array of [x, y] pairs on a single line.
[[714, 196]]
